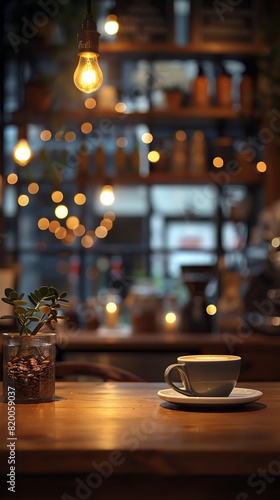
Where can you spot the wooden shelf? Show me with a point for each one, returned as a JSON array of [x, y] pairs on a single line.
[[168, 50], [167, 116], [221, 177]]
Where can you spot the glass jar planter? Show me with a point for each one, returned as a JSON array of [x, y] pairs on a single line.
[[29, 367]]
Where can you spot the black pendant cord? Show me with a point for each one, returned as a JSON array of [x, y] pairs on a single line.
[[88, 6]]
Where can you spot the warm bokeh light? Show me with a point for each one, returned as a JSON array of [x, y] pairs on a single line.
[[22, 153], [170, 318], [101, 232], [72, 222], [69, 238], [80, 199], [181, 135], [218, 162], [110, 215], [54, 224], [147, 138], [59, 136], [121, 142], [153, 156], [107, 196], [120, 107], [79, 230], [87, 241], [261, 166], [211, 309], [12, 179], [111, 25], [275, 242], [57, 196], [90, 103], [70, 136], [45, 135], [86, 128], [61, 211], [23, 200], [60, 233], [111, 307], [33, 188], [106, 223], [43, 223]]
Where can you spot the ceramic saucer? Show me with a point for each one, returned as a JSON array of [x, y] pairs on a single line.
[[237, 396]]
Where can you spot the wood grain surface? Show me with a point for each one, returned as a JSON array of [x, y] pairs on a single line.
[[124, 430]]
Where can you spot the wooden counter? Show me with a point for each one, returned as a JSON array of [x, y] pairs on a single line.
[[148, 354], [119, 441]]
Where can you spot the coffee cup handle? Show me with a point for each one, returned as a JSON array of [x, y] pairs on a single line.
[[180, 369]]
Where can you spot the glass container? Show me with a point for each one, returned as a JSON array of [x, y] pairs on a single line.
[[29, 367]]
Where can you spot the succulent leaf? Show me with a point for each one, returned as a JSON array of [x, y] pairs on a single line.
[[45, 300]]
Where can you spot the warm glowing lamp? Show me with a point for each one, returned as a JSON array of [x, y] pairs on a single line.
[[88, 75], [22, 153], [111, 25], [111, 314], [170, 321], [107, 195]]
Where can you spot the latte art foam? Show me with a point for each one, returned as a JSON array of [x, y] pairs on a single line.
[[207, 357]]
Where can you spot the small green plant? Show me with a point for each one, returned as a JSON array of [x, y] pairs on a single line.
[[44, 309]]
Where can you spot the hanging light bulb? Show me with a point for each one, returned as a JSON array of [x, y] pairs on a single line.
[[88, 75], [22, 153], [111, 25], [107, 195]]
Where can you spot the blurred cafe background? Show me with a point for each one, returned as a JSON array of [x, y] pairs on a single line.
[[154, 201]]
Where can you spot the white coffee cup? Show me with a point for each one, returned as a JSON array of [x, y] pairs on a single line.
[[207, 375]]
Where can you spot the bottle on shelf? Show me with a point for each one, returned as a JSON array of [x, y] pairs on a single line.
[[120, 161], [200, 95], [224, 89], [198, 156], [179, 153]]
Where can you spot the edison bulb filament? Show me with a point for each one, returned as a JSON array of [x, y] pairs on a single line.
[[88, 75]]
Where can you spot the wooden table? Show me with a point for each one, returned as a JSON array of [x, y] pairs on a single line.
[[120, 441]]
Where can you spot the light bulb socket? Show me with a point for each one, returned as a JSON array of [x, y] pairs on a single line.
[[22, 133], [88, 36]]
